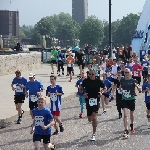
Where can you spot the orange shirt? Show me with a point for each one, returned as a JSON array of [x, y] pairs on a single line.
[[69, 60]]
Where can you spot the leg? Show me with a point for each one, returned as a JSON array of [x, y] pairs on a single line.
[[19, 109], [94, 122], [80, 67], [16, 106], [37, 145], [62, 67], [102, 100], [59, 68], [125, 110]]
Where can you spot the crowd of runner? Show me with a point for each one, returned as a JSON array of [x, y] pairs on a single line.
[[121, 80]]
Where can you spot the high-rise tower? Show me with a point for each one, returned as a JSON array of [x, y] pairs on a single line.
[[79, 10]]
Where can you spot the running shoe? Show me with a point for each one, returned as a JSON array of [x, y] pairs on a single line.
[[62, 73], [61, 128], [120, 115], [19, 121], [104, 112], [132, 131], [126, 134], [56, 132], [52, 72], [73, 73], [53, 147], [59, 75], [93, 137], [80, 115]]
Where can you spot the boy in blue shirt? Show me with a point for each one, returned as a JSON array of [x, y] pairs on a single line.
[[19, 97], [35, 88], [43, 120], [146, 90], [105, 96], [81, 97], [54, 91]]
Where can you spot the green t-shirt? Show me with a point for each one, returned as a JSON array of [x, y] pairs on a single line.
[[54, 54]]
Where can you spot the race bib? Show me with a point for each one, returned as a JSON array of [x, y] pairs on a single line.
[[144, 65], [92, 101], [33, 98], [19, 89], [126, 93], [148, 93], [52, 56], [119, 91], [39, 121], [136, 73], [59, 58], [53, 97], [69, 65]]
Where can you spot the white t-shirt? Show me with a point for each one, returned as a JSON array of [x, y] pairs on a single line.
[[104, 66], [114, 71]]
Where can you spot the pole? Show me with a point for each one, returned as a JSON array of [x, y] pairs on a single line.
[[110, 33]]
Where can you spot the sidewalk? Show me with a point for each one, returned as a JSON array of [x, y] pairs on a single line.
[[7, 107]]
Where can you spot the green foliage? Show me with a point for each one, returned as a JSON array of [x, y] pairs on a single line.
[[92, 31], [36, 38], [21, 34], [27, 30]]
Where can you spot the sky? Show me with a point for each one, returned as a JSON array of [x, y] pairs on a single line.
[[31, 11]]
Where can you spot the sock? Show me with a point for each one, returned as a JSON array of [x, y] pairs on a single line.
[[131, 125]]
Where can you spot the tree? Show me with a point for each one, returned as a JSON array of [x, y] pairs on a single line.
[[21, 34], [27, 30], [126, 29], [36, 38], [92, 31]]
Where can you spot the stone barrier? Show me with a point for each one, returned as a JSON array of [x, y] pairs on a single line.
[[9, 63]]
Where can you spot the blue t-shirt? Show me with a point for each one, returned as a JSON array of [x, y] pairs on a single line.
[[109, 78], [55, 100], [144, 64], [142, 53], [78, 83], [108, 84], [42, 118], [17, 81], [76, 48], [129, 67], [60, 57], [34, 87], [147, 94]]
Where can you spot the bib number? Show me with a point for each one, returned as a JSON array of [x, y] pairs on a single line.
[[19, 89], [126, 93], [69, 65], [93, 101], [33, 98], [53, 97], [39, 121], [119, 91], [136, 73]]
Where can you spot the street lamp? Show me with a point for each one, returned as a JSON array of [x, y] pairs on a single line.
[[110, 33]]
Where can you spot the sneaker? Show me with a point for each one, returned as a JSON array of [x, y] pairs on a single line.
[[53, 147], [52, 72], [80, 115], [132, 131], [73, 73], [56, 132], [126, 134], [59, 75], [93, 137], [120, 115], [61, 128], [19, 121], [67, 74], [104, 112], [62, 73], [22, 112]]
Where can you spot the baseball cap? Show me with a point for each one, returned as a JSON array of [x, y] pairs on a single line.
[[31, 75]]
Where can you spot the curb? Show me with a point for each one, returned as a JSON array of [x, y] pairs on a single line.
[[4, 122]]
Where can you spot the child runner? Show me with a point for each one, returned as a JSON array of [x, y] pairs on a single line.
[[105, 96], [43, 120], [81, 97], [54, 91], [96, 68], [146, 90]]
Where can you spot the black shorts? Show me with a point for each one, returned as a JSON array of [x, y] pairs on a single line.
[[19, 98], [148, 106], [83, 65], [138, 79], [130, 104], [69, 69], [80, 63], [91, 109], [144, 74], [106, 95], [53, 62], [33, 105], [37, 137]]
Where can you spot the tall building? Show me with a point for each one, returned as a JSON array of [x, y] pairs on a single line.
[[9, 23], [80, 10]]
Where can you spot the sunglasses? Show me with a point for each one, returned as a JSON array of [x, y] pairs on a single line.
[[91, 74]]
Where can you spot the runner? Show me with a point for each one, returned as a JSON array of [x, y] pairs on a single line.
[[128, 66], [81, 97], [118, 94], [19, 97], [54, 91], [96, 68], [128, 86], [60, 62], [35, 88], [136, 71], [145, 65], [69, 61], [43, 120], [146, 90], [54, 54], [106, 95], [92, 95]]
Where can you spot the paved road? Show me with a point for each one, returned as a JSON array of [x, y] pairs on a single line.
[[78, 131], [7, 108]]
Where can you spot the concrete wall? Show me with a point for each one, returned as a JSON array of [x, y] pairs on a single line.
[[22, 61]]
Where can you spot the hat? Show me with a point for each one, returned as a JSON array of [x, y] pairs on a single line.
[[31, 75]]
